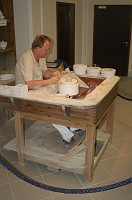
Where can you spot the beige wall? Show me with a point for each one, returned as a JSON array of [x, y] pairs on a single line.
[[36, 18], [87, 31], [23, 25]]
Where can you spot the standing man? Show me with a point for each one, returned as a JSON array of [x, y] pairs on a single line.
[[31, 70]]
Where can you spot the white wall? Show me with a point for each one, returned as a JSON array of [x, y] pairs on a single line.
[[37, 18], [23, 25]]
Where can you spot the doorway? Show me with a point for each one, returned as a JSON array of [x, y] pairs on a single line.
[[112, 31], [66, 32]]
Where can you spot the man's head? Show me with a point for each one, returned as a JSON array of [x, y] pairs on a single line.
[[42, 44]]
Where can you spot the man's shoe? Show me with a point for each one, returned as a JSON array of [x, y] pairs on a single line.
[[69, 144], [80, 132]]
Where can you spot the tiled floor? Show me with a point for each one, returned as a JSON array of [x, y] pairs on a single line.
[[115, 166]]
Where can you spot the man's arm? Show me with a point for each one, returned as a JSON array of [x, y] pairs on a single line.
[[34, 84]]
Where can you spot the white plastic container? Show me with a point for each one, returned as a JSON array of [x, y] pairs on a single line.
[[93, 71], [108, 72], [20, 89], [80, 69], [6, 89]]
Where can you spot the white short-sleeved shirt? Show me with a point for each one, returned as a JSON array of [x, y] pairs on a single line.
[[28, 69]]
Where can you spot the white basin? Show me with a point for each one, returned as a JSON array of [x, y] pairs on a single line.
[[7, 76], [108, 72], [79, 69]]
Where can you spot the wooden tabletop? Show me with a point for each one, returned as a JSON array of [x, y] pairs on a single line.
[[92, 99]]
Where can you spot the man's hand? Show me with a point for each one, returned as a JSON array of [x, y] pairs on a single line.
[[50, 74], [47, 74], [57, 73], [54, 79]]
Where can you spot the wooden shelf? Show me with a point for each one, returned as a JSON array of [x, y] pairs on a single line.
[[7, 34], [3, 22], [6, 50]]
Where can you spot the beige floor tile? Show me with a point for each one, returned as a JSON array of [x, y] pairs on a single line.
[[119, 133], [124, 146], [122, 129], [129, 158], [100, 175], [117, 167], [43, 169], [3, 175], [128, 187], [114, 194], [63, 179], [30, 169], [11, 156], [73, 197], [5, 192], [110, 152], [25, 191]]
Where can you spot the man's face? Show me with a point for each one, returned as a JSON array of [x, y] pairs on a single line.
[[45, 49]]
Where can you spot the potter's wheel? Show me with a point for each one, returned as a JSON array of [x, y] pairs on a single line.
[[54, 142]]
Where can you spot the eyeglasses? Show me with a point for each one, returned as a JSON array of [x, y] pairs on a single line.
[[45, 49]]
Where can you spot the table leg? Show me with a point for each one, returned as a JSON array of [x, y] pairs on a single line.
[[109, 121], [20, 136], [89, 152]]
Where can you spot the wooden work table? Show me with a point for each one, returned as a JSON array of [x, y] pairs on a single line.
[[86, 113], [5, 114]]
